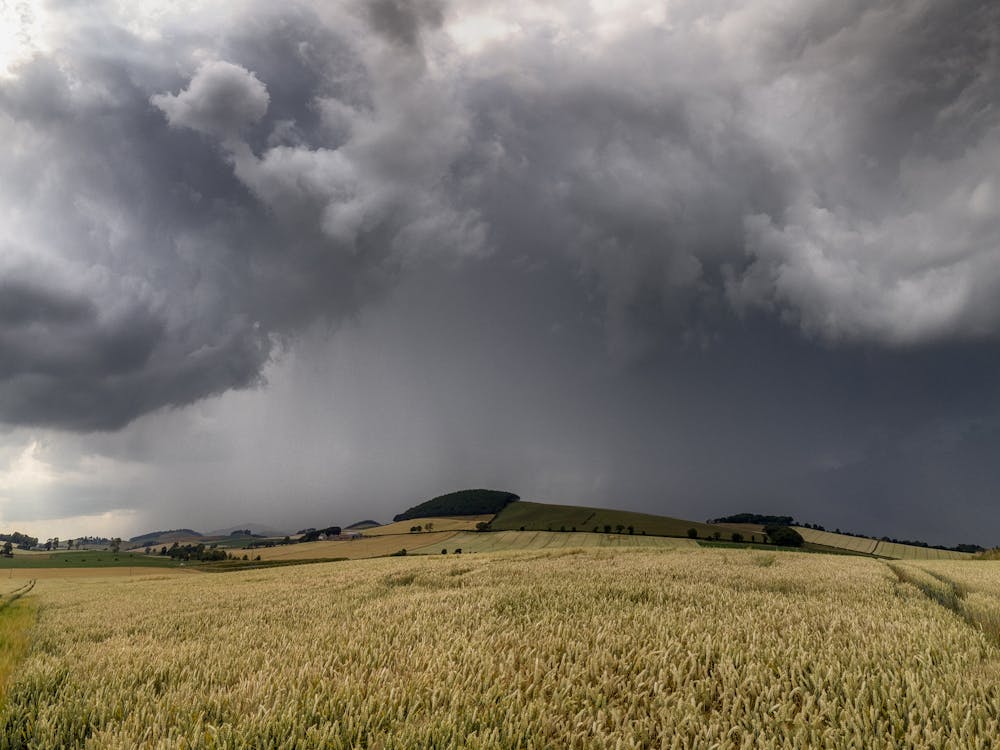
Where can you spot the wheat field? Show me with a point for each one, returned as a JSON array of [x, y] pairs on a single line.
[[692, 648]]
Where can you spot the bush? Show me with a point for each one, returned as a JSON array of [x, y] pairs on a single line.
[[737, 537], [444, 552], [783, 536]]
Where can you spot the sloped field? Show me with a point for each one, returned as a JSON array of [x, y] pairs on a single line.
[[441, 523], [875, 547], [352, 549], [839, 541], [545, 517], [502, 541]]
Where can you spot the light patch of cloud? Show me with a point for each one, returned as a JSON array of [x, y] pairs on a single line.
[[221, 99]]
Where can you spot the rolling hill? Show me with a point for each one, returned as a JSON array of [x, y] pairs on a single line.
[[544, 517], [462, 503]]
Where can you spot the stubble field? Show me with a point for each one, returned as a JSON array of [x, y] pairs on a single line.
[[578, 649]]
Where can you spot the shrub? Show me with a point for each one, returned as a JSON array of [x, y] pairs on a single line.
[[783, 536], [737, 537], [693, 533]]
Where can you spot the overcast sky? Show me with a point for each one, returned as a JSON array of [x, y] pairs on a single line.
[[305, 263]]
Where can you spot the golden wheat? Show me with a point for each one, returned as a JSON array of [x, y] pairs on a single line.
[[568, 649]]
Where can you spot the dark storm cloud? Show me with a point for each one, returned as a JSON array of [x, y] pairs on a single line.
[[746, 239], [401, 20]]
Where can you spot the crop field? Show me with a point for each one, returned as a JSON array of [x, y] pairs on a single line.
[[839, 541], [876, 547], [353, 549], [86, 559], [544, 517], [685, 648], [18, 576], [912, 552], [504, 541], [441, 523], [971, 590]]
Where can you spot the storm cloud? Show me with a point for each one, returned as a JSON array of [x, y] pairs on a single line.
[[758, 196]]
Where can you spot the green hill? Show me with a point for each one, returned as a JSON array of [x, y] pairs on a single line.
[[158, 537], [361, 525], [462, 503], [544, 517]]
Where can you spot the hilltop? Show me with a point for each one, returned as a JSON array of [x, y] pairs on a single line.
[[475, 502], [171, 535]]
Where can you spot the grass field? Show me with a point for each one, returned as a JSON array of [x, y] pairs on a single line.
[[544, 517], [441, 523], [690, 648], [504, 541], [87, 559], [354, 549]]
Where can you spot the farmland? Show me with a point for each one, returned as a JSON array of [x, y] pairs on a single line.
[[354, 549], [543, 648], [545, 517], [87, 559], [444, 523], [505, 541], [877, 547]]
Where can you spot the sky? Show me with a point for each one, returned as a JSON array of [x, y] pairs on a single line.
[[306, 263]]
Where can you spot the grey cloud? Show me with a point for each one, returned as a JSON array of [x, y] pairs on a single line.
[[221, 99], [23, 303], [734, 162], [401, 20], [892, 237]]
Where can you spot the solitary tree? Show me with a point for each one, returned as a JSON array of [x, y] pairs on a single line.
[[693, 533], [737, 537], [8, 549]]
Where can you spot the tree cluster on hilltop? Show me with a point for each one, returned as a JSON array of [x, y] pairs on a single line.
[[153, 535], [19, 540], [475, 502], [757, 518]]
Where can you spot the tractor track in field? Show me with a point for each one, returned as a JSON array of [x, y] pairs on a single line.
[[7, 599]]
